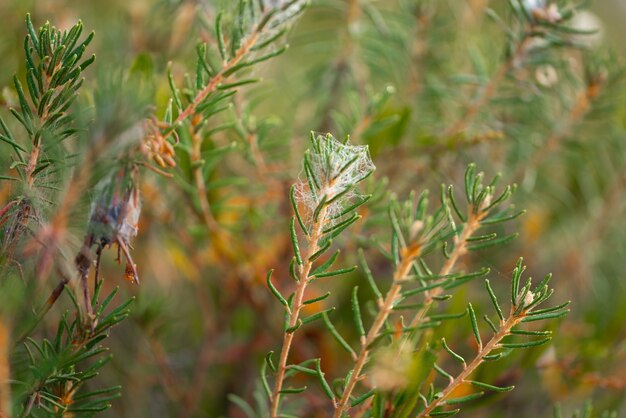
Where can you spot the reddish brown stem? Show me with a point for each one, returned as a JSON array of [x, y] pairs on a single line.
[[460, 249], [386, 306], [294, 315], [461, 378]]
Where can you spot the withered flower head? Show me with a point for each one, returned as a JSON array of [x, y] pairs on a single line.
[[115, 214]]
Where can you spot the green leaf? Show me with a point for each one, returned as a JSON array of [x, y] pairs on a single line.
[[243, 405], [339, 229], [368, 275], [348, 209], [469, 182], [327, 264], [275, 291], [545, 316], [454, 204], [336, 272], [445, 413], [14, 144], [503, 217], [264, 382], [342, 225], [302, 369], [239, 83], [526, 344], [463, 399], [486, 386], [325, 386], [317, 299], [270, 362], [546, 310], [293, 390], [494, 300], [294, 241], [493, 242], [524, 332], [294, 205], [323, 248], [337, 336], [33, 35], [475, 330], [173, 89], [443, 372], [360, 399], [356, 310], [316, 316], [454, 355], [291, 330], [220, 37]]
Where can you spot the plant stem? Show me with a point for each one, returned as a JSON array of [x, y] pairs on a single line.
[[205, 206], [505, 329], [386, 306], [32, 165], [303, 281], [218, 78], [5, 373], [460, 249], [224, 73]]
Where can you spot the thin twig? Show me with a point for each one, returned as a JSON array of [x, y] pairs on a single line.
[[294, 315], [461, 378], [460, 249], [198, 175], [386, 306], [5, 371], [226, 70]]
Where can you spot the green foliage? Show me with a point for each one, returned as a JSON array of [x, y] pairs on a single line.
[[54, 63], [53, 381]]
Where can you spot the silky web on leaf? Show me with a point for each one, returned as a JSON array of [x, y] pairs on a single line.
[[332, 170]]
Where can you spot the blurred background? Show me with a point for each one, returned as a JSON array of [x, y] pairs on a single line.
[[400, 76]]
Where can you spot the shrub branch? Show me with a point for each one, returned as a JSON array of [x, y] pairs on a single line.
[[294, 313], [403, 270]]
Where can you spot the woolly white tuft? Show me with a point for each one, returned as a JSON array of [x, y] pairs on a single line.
[[332, 170]]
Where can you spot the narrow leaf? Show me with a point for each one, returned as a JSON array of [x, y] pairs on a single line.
[[462, 399], [337, 336], [275, 291], [356, 310], [368, 275], [486, 386], [294, 241], [475, 326], [526, 343]]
